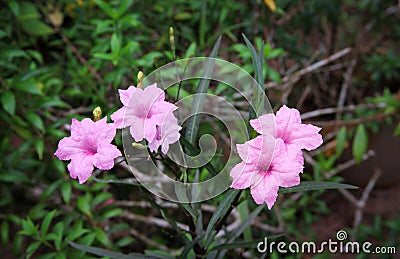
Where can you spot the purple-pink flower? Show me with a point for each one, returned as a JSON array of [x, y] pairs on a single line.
[[274, 158], [148, 116], [89, 145]]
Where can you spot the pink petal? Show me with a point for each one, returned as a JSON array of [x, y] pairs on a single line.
[[118, 118], [286, 114], [162, 108], [167, 133], [306, 137], [264, 124], [244, 175], [67, 148], [287, 159], [258, 151], [81, 166], [126, 95], [149, 129], [157, 94], [104, 158], [290, 129], [104, 131], [76, 129], [265, 191], [137, 129]]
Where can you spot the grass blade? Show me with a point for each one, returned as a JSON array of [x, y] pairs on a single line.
[[198, 103]]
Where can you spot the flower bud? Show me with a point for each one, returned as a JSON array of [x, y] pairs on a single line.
[[97, 113], [140, 78]]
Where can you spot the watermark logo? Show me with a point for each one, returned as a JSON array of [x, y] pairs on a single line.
[[332, 246]]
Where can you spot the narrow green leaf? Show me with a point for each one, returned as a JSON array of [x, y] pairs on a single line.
[[4, 231], [28, 228], [32, 249], [28, 86], [77, 233], [314, 186], [220, 212], [188, 247], [239, 230], [39, 146], [35, 120], [102, 237], [46, 222], [66, 190], [83, 204], [104, 252], [107, 9], [397, 130], [360, 143], [123, 7], [258, 96], [115, 44], [340, 140], [198, 103], [8, 102]]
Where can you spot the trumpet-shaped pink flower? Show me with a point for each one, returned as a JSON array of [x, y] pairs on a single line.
[[147, 115], [166, 134], [274, 159], [267, 165], [89, 145]]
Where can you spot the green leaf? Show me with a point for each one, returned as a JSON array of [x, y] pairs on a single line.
[[258, 96], [360, 143], [58, 231], [32, 249], [340, 140], [8, 102], [28, 228], [28, 86], [104, 252], [239, 230], [397, 130], [123, 7], [124, 241], [313, 186], [198, 102], [66, 190], [4, 231], [35, 120], [83, 204], [105, 56], [76, 233], [36, 27], [39, 146], [107, 9], [220, 212], [46, 222], [102, 237], [115, 44], [191, 50]]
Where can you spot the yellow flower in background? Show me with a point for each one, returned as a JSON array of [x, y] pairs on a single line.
[[271, 5]]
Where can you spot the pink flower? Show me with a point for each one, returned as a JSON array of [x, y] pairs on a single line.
[[289, 128], [274, 159], [265, 168], [88, 146], [147, 114], [166, 134]]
